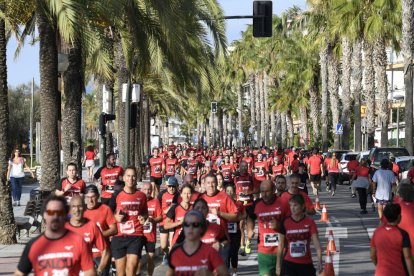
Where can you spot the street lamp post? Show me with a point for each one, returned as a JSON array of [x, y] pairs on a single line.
[[400, 99]]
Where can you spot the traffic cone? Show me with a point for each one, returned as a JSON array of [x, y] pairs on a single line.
[[328, 269], [317, 203], [324, 217], [331, 247]]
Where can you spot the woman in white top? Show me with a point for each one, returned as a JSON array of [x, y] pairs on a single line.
[[382, 183], [15, 173]]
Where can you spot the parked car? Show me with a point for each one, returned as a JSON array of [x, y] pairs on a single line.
[[377, 154], [344, 174], [362, 155], [339, 153], [403, 163]]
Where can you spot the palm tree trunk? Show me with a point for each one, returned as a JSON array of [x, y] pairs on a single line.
[[7, 225], [266, 109], [145, 123], [73, 80], [230, 123], [279, 129], [407, 48], [273, 127], [369, 93], [262, 109], [323, 56], [252, 102], [346, 92], [333, 84], [224, 126], [283, 129], [314, 110], [380, 64], [49, 98], [239, 112], [356, 89], [290, 130], [122, 77], [258, 109], [304, 125]]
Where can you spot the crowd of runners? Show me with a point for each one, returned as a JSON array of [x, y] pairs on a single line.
[[205, 206]]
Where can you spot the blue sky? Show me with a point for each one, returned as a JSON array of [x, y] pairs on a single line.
[[26, 66]]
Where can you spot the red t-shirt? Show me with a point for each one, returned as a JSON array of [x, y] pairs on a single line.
[[166, 200], [286, 196], [156, 166], [290, 157], [268, 237], [333, 167], [295, 165], [326, 162], [170, 166], [227, 171], [249, 161], [214, 233], [91, 235], [108, 179], [234, 227], [261, 170], [298, 237], [102, 216], [65, 256], [410, 175], [395, 169], [193, 167], [214, 162], [175, 214], [244, 189], [154, 210], [315, 162], [206, 257], [278, 169], [223, 203], [389, 242], [352, 166], [90, 155], [406, 223], [133, 205], [362, 171], [76, 188]]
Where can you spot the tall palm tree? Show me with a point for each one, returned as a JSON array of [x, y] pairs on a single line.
[[346, 91], [407, 48], [356, 88], [369, 92]]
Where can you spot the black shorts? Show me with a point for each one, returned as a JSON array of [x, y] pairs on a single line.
[[123, 245], [156, 180], [249, 211], [166, 231], [289, 268], [105, 201], [150, 247], [315, 178]]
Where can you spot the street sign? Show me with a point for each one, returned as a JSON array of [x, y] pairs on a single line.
[[339, 129]]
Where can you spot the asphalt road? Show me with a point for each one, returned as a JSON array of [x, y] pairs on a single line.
[[352, 232]]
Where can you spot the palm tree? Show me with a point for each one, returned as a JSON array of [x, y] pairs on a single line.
[[407, 48], [356, 88], [346, 91], [369, 92]]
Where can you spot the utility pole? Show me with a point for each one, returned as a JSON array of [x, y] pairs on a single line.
[[31, 123]]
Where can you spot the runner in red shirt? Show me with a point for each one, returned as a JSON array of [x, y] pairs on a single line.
[[175, 215], [269, 213], [193, 166], [227, 170], [293, 189], [102, 216], [192, 256], [390, 246], [109, 175], [278, 168], [90, 233], [131, 212], [57, 250], [294, 164], [214, 158], [171, 165], [315, 170], [249, 160], [260, 170], [150, 227], [71, 185], [298, 230], [183, 162], [157, 167], [89, 161]]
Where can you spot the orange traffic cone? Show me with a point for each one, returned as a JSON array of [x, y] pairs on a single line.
[[317, 203], [324, 217], [328, 269], [331, 247]]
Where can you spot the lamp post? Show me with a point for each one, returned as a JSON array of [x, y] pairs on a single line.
[[400, 99]]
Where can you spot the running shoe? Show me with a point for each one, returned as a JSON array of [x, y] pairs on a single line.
[[248, 250], [363, 212], [165, 259], [353, 195], [242, 252], [333, 193]]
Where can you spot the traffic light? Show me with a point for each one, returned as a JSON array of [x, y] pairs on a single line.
[[103, 119], [262, 18], [213, 107]]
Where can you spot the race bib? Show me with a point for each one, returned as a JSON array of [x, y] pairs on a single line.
[[61, 272], [260, 172], [171, 169], [109, 189], [244, 197], [157, 169], [271, 239], [226, 178], [147, 227], [213, 219], [232, 226], [298, 249], [127, 227]]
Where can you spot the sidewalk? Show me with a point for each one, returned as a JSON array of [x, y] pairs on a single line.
[[10, 254]]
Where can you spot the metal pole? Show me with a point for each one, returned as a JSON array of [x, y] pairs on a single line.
[[398, 126], [127, 122], [31, 124]]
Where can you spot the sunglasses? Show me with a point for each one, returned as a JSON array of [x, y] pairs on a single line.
[[60, 213], [192, 224]]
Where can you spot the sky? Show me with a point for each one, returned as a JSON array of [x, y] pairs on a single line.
[[26, 66]]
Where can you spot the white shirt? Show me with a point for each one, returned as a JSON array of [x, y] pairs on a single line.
[[384, 180], [17, 169]]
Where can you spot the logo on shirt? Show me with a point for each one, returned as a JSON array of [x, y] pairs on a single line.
[[69, 247], [204, 261]]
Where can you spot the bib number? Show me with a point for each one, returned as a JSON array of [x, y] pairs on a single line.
[[271, 239], [157, 169], [127, 227], [232, 227], [213, 219], [298, 249], [147, 228]]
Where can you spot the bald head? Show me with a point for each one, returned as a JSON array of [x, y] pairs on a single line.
[[267, 190]]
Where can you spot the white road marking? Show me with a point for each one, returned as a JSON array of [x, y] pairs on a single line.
[[338, 232], [356, 246], [370, 232]]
